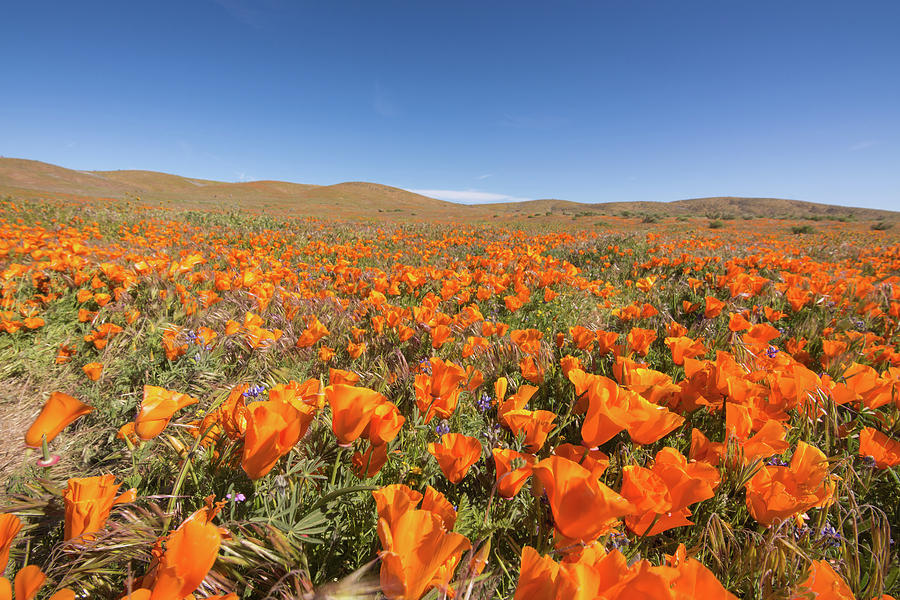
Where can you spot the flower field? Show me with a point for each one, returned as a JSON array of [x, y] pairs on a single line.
[[228, 405]]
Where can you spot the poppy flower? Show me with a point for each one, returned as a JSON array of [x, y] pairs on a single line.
[[385, 423], [29, 580], [513, 469], [435, 502], [58, 412], [531, 370], [273, 428], [455, 454], [884, 450], [65, 353], [535, 424], [438, 393], [88, 501], [351, 410], [527, 340], [639, 340], [418, 554], [540, 578], [93, 370], [591, 459], [356, 350], [684, 347], [582, 507], [606, 341], [516, 401], [191, 551], [661, 494], [693, 579], [569, 363], [776, 493], [823, 582], [440, 335], [314, 332], [714, 307], [393, 500], [157, 408], [368, 463], [336, 376], [10, 525]]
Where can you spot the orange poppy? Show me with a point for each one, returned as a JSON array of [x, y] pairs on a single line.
[[714, 307], [513, 469], [527, 340], [418, 554], [191, 551], [516, 401], [10, 525], [393, 500], [368, 463], [884, 451], [455, 454], [693, 579], [351, 410], [591, 459], [684, 347], [606, 341], [440, 335], [157, 408], [776, 493], [823, 582], [314, 332], [88, 501], [273, 428], [59, 411], [535, 424], [582, 507], [661, 494], [531, 370], [29, 580], [336, 376], [93, 370], [639, 340], [385, 423], [438, 393]]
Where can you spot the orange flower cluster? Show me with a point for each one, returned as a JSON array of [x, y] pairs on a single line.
[[691, 360]]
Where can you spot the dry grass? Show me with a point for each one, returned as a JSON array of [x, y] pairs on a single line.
[[20, 403]]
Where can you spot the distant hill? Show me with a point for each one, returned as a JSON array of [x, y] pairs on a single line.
[[354, 199], [721, 206], [34, 178]]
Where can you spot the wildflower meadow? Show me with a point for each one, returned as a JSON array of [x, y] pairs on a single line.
[[223, 404]]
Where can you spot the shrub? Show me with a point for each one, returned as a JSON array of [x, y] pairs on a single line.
[[716, 224], [799, 229], [881, 226]]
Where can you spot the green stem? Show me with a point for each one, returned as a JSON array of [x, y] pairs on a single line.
[[337, 461], [170, 508]]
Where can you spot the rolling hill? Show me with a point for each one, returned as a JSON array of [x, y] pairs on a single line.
[[33, 179]]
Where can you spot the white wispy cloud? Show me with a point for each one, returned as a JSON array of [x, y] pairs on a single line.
[[241, 176], [485, 176], [469, 196], [863, 145]]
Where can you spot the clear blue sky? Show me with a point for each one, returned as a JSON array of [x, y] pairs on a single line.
[[590, 101]]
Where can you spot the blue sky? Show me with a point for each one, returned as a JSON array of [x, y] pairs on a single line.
[[615, 100]]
